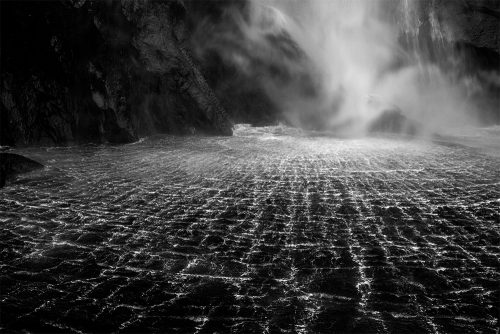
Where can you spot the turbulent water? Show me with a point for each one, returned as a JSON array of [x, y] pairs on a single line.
[[267, 231]]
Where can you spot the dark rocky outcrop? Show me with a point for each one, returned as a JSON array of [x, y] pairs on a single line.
[[100, 71], [215, 36], [463, 37], [247, 74], [477, 38], [474, 22], [14, 164]]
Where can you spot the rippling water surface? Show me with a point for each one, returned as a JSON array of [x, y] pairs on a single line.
[[262, 232]]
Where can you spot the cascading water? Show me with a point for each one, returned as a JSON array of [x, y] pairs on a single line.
[[357, 61], [437, 93], [348, 48], [366, 71]]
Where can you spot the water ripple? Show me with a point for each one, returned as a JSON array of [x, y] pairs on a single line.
[[294, 234]]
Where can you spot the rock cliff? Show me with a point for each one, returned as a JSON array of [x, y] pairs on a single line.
[[100, 71], [463, 37]]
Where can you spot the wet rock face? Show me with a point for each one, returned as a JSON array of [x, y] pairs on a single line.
[[464, 38], [474, 21], [242, 72], [99, 71], [470, 26]]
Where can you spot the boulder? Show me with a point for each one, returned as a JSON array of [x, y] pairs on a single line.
[[394, 121], [14, 164]]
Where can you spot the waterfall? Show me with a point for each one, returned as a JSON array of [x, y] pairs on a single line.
[[356, 51], [429, 43], [340, 65]]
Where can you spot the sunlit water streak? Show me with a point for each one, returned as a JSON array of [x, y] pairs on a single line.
[[270, 230]]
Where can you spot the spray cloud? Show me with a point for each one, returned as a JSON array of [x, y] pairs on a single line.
[[341, 64]]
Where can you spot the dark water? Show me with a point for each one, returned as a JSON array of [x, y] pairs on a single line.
[[254, 233]]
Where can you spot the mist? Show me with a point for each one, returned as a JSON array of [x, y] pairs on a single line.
[[342, 65]]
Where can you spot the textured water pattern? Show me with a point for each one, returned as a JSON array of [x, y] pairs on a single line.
[[261, 232]]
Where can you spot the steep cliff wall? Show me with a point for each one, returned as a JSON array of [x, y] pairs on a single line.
[[95, 71], [216, 42], [463, 37], [473, 22]]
